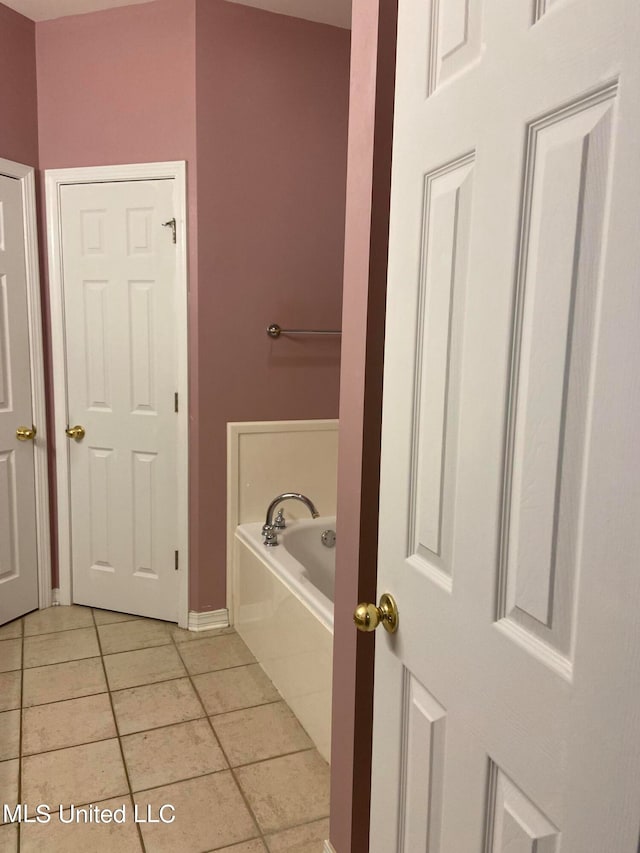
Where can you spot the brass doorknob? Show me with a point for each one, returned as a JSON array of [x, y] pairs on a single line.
[[26, 433], [75, 432], [367, 617]]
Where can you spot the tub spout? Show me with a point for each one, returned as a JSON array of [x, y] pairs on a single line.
[[268, 530]]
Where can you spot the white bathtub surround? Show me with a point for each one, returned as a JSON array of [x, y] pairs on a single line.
[[268, 458], [208, 619], [283, 610], [288, 628]]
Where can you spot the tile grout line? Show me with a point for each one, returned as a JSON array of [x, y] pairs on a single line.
[[247, 707], [232, 769], [203, 716], [117, 728], [175, 642], [133, 686], [68, 699], [19, 840], [18, 757], [58, 662], [50, 632], [156, 729], [192, 779], [223, 770], [295, 826], [226, 757], [92, 624], [60, 631]]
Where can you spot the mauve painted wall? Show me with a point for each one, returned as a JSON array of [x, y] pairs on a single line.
[[272, 106], [118, 86], [18, 103]]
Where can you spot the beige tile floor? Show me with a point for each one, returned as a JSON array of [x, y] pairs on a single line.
[[111, 710]]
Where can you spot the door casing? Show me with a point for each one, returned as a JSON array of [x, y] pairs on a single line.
[[54, 180], [26, 176]]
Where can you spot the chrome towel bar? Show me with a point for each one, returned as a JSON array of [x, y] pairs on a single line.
[[274, 331]]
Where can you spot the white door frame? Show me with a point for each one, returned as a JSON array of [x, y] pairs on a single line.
[[55, 179], [26, 176]]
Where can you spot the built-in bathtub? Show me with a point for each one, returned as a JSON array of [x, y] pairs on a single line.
[[283, 610]]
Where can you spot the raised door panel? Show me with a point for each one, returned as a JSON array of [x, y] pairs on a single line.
[[8, 518], [145, 514], [443, 274], [422, 769], [143, 337], [97, 361], [455, 39], [5, 376], [101, 499], [564, 210], [514, 824]]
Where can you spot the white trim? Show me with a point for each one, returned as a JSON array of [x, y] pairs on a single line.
[[208, 619], [328, 847], [54, 180], [234, 431], [26, 176]]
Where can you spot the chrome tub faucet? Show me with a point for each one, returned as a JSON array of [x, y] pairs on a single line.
[[269, 529]]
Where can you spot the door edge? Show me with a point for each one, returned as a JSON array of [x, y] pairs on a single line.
[[26, 175]]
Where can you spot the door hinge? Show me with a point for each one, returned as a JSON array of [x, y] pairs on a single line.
[[175, 402], [176, 566], [171, 223]]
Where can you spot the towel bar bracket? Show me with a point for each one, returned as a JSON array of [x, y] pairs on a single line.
[[274, 331]]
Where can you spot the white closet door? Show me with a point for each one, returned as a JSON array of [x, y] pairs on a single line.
[[119, 278]]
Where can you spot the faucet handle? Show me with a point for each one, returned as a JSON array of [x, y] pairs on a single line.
[[279, 522], [270, 535]]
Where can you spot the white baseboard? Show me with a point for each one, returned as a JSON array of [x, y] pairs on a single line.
[[205, 621], [328, 847], [208, 619]]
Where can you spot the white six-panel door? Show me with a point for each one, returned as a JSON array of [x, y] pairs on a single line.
[[119, 281], [507, 713], [18, 547]]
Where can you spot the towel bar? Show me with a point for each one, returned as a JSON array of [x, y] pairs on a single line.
[[274, 331]]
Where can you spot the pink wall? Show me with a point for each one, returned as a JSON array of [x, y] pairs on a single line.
[[119, 87], [365, 274], [18, 105], [271, 191], [257, 105]]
